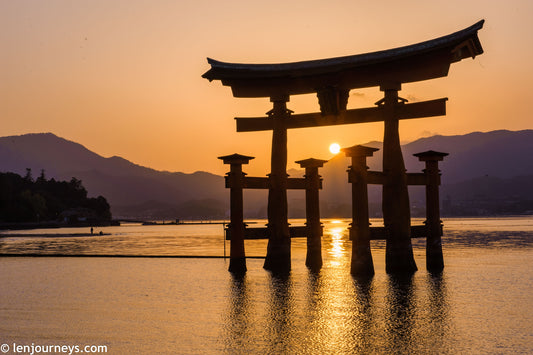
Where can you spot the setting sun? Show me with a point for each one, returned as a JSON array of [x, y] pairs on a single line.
[[334, 148]]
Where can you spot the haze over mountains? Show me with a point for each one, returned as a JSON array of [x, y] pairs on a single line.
[[485, 173], [125, 185]]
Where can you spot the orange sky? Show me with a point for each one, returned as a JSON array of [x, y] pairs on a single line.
[[124, 77]]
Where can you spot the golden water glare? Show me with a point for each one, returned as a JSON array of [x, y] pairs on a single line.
[[193, 305], [337, 245]]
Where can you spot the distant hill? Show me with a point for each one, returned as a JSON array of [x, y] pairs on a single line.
[[32, 201], [124, 184], [494, 167], [502, 157], [502, 154]]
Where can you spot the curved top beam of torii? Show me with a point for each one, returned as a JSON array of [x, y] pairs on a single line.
[[422, 61]]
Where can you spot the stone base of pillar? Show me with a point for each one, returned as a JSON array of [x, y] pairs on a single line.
[[313, 259], [237, 265], [362, 263], [434, 258], [399, 260], [278, 258]]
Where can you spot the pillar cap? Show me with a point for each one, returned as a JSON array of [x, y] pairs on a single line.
[[359, 150], [390, 86], [311, 163], [236, 159], [430, 155]]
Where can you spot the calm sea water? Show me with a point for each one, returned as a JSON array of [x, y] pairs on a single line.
[[481, 304]]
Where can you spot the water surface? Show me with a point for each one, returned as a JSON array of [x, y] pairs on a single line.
[[480, 304]]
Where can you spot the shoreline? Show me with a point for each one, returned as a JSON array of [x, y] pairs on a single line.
[[35, 255], [52, 235], [51, 225]]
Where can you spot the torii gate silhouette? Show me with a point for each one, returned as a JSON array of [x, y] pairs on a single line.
[[332, 79]]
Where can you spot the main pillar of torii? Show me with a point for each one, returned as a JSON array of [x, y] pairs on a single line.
[[332, 79]]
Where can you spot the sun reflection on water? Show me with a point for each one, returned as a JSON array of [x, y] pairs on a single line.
[[193, 305], [335, 232], [337, 249]]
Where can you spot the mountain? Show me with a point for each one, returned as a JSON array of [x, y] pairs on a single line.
[[124, 184], [502, 154], [502, 157], [485, 173]]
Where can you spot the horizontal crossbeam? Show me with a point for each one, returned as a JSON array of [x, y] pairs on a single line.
[[256, 183], [376, 233], [417, 179], [263, 183], [361, 115], [380, 233], [262, 232], [378, 178]]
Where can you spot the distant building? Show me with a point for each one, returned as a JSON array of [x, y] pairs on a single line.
[[78, 214]]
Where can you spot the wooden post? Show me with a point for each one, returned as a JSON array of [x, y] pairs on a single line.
[[313, 259], [362, 264], [396, 214], [235, 181], [434, 258], [278, 258]]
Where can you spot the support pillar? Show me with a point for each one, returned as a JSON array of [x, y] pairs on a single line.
[[396, 213], [235, 181], [434, 258], [278, 258], [313, 259], [362, 264]]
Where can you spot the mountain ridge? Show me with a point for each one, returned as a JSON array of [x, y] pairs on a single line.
[[502, 155], [122, 182]]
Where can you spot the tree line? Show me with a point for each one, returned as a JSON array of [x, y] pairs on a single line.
[[24, 199]]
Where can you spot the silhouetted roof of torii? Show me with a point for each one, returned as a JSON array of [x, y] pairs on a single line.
[[422, 61]]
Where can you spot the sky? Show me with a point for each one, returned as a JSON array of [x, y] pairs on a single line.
[[124, 77]]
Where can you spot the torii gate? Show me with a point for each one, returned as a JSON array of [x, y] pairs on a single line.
[[332, 79]]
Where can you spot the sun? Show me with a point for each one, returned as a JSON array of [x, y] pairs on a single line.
[[334, 148]]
